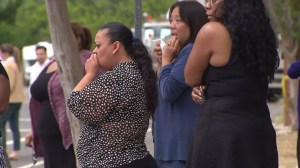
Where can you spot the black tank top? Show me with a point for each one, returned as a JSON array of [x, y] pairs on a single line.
[[235, 80], [47, 126]]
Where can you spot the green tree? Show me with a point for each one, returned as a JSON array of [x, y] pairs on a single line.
[[8, 10], [95, 13], [31, 23], [286, 20], [25, 22]]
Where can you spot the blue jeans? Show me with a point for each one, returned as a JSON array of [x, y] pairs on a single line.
[[12, 116]]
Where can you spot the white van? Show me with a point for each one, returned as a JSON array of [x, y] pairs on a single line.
[[29, 57], [155, 30]]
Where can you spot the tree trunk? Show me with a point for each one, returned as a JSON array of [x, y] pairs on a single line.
[[290, 50], [66, 54], [289, 46]]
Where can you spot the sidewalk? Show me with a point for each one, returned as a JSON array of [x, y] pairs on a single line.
[[286, 138], [286, 143]]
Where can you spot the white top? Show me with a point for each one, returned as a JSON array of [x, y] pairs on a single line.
[[36, 69]]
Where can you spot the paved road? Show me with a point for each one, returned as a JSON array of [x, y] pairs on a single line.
[[25, 155]]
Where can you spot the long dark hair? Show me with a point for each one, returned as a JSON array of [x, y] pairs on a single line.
[[193, 14], [252, 36], [139, 53]]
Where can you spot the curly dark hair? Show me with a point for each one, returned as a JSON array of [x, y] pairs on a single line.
[[252, 35]]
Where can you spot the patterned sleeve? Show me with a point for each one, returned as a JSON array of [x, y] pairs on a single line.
[[95, 101]]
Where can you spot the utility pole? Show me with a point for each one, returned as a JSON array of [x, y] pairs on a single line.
[[138, 19], [67, 56]]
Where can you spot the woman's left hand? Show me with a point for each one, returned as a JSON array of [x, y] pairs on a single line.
[[170, 51]]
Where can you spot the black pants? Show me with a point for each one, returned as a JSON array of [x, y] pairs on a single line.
[[147, 162]]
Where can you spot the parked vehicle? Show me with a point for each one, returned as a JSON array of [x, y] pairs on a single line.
[[275, 88], [155, 30]]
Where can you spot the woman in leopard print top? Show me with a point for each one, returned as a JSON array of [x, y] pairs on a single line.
[[116, 107]]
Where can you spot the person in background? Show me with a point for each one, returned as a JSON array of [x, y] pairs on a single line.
[[83, 37], [235, 57], [115, 107], [294, 73], [14, 70], [176, 113], [55, 96], [4, 89], [41, 61], [51, 134]]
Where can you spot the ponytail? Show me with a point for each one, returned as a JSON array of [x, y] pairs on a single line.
[[17, 57], [142, 57], [139, 53], [84, 33], [87, 44]]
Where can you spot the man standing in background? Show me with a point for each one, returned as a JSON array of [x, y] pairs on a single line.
[[41, 61]]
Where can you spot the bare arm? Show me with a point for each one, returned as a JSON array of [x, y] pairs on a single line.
[[199, 58], [212, 47]]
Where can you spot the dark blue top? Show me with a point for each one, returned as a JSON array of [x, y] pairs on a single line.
[[294, 73], [176, 113]]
